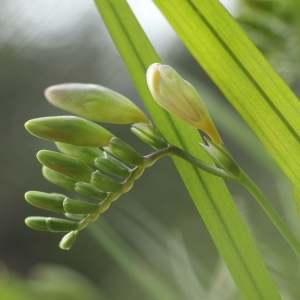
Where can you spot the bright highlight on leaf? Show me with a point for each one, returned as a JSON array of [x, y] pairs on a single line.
[[180, 98]]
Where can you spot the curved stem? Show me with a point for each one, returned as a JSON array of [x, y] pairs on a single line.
[[271, 212], [173, 150]]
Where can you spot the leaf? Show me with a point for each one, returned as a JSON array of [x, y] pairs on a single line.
[[297, 200], [208, 192]]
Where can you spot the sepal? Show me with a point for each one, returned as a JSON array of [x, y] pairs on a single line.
[[149, 135], [89, 190], [105, 183], [222, 158], [111, 165], [60, 225], [85, 154], [124, 152], [79, 207]]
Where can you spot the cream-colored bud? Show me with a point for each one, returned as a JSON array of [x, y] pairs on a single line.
[[180, 98]]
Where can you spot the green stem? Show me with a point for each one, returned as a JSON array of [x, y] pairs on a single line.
[[249, 185], [173, 150], [271, 212]]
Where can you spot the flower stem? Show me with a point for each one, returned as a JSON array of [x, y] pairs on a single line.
[[199, 163], [249, 185], [270, 211]]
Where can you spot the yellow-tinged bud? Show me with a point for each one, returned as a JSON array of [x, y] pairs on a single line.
[[180, 98]]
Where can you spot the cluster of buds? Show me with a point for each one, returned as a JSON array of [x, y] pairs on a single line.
[[83, 167]]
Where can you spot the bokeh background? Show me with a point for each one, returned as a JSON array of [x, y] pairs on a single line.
[[152, 235]]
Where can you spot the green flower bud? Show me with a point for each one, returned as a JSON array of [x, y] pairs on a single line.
[[105, 183], [149, 135], [59, 179], [47, 201], [89, 190], [80, 207], [222, 158], [78, 217], [65, 165], [95, 102], [60, 225], [37, 223], [68, 240], [180, 98], [70, 130], [124, 152], [111, 165], [85, 154]]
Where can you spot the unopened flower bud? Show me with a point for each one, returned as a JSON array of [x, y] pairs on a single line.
[[78, 217], [60, 225], [111, 165], [68, 240], [90, 191], [85, 154], [180, 98], [79, 207], [105, 183], [222, 158], [65, 165], [47, 201], [123, 151], [70, 130], [59, 179], [149, 135], [37, 223], [95, 102]]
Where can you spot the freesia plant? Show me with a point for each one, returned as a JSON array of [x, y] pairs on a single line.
[[79, 139]]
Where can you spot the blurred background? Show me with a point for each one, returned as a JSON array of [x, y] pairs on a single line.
[[151, 242]]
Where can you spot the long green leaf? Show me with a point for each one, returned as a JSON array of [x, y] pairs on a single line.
[[208, 192], [242, 74]]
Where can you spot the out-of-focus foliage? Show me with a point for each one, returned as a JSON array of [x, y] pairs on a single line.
[[274, 27], [48, 282]]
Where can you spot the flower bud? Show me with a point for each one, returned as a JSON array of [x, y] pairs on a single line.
[[111, 165], [105, 183], [180, 98], [60, 225], [124, 152], [80, 207], [85, 154], [70, 130], [78, 217], [95, 102], [90, 191], [47, 201], [222, 158], [37, 223], [59, 179], [149, 135], [68, 240], [65, 165]]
